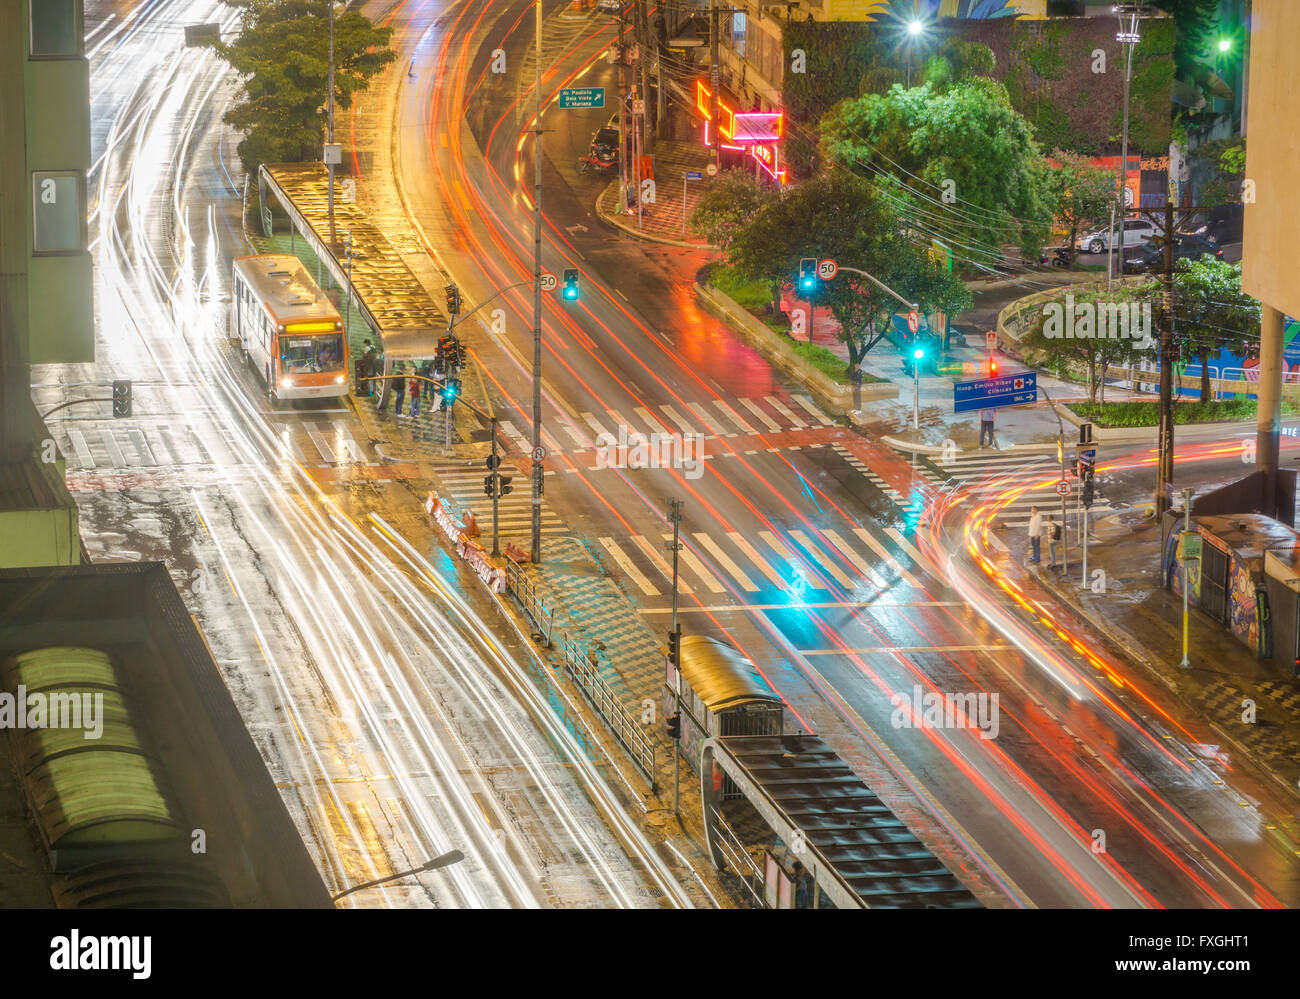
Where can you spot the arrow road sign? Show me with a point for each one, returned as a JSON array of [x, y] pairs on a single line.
[[1005, 390], [571, 229], [548, 281]]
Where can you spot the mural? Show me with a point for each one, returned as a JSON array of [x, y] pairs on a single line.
[[1246, 368], [1241, 603]]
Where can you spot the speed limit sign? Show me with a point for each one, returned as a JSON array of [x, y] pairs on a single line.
[[913, 320], [827, 269], [548, 281]]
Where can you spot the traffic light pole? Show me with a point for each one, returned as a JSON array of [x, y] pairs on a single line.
[[496, 488], [675, 643]]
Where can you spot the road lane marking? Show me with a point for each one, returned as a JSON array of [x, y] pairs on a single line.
[[83, 451], [858, 561], [734, 417], [822, 559], [889, 559], [697, 567], [714, 427], [114, 452], [658, 562], [676, 417], [599, 430], [816, 413], [625, 563], [795, 563], [743, 544], [785, 411], [767, 421]]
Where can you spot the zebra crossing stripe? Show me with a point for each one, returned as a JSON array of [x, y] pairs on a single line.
[[714, 427], [858, 561], [567, 426], [795, 563], [322, 445], [726, 562], [592, 422], [889, 559], [510, 430], [698, 568], [676, 417], [822, 560], [741, 542], [141, 447], [785, 411], [114, 452], [79, 445], [650, 419], [816, 413], [734, 417], [766, 420], [658, 562]]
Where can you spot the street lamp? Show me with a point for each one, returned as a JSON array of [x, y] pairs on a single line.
[[454, 857], [1129, 14], [914, 29]]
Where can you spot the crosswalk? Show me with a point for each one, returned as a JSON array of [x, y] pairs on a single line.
[[717, 418], [802, 565], [93, 446], [461, 482], [1002, 471]]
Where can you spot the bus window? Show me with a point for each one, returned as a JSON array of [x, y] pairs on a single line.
[[299, 354]]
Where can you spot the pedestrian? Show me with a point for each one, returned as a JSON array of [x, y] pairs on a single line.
[[1053, 531], [1035, 535], [987, 417], [399, 387], [416, 386], [370, 357]]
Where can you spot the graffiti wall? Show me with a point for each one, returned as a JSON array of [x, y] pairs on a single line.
[[1242, 603], [871, 10]]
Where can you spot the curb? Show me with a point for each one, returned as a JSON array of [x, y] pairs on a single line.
[[907, 447], [613, 221]]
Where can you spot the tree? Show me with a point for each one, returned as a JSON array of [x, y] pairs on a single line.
[[282, 54], [844, 217], [961, 159], [1081, 192], [733, 200], [1213, 313], [1045, 336]]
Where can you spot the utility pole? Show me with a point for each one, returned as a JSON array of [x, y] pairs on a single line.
[[329, 157], [1165, 462], [1129, 36], [496, 488], [622, 112], [675, 643], [714, 81], [538, 453], [1187, 581], [647, 126]]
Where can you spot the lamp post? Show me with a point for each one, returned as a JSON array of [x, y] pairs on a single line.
[[454, 857], [1129, 35], [914, 29]]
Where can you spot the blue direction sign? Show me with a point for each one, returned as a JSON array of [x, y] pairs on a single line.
[[694, 175], [582, 97], [1005, 390]]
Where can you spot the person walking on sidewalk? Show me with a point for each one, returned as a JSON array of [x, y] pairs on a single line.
[[399, 388], [1053, 532], [987, 417], [1035, 535]]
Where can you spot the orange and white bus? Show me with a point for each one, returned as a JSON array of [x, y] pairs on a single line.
[[288, 328]]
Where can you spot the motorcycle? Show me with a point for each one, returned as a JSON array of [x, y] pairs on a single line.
[[601, 160], [1062, 256]]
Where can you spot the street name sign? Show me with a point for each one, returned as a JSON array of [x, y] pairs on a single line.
[[1005, 390]]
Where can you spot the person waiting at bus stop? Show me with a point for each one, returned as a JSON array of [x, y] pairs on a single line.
[[399, 387], [367, 368]]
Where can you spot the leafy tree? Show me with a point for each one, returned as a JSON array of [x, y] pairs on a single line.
[[732, 200], [282, 54], [1096, 355], [1226, 159], [842, 216], [963, 159], [1081, 192], [1213, 313]]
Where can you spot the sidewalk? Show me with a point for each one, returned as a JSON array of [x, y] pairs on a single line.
[[1144, 621], [663, 222]]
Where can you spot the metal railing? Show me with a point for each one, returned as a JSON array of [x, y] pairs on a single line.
[[521, 588], [582, 666], [738, 859]]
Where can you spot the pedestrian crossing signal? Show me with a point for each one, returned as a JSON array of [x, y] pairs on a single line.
[[675, 647], [571, 284], [487, 486], [121, 398]]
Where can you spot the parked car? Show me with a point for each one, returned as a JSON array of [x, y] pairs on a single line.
[[1221, 224], [1151, 256], [614, 7], [1135, 232]]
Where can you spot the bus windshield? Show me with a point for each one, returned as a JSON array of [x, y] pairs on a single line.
[[309, 354]]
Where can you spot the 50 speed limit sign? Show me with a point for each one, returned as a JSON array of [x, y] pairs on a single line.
[[827, 269], [548, 281]]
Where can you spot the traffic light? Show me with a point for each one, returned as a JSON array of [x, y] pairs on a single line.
[[571, 284], [450, 391], [675, 647], [503, 485], [674, 724], [453, 300], [993, 368], [121, 398], [487, 486], [1089, 493], [808, 274], [461, 353]]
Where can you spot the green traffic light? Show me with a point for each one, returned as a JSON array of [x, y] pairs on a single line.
[[918, 353]]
